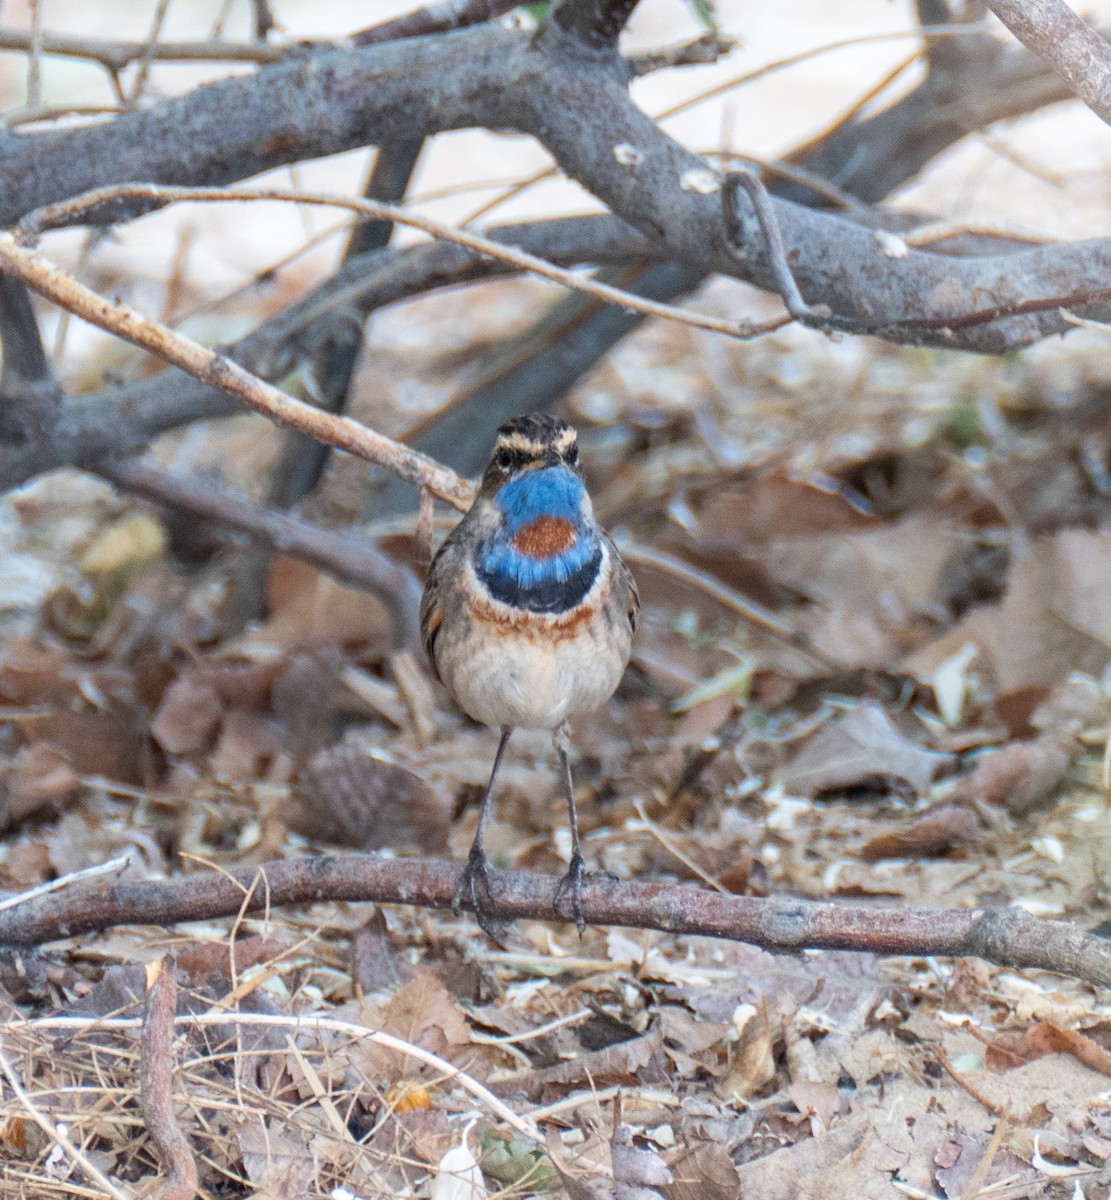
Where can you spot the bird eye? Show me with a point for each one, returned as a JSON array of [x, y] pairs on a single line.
[[504, 459], [572, 456]]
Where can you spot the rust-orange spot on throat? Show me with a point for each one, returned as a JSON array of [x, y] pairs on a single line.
[[545, 537]]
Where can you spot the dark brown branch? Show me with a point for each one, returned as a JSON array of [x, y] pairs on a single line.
[[1008, 936], [348, 558], [1068, 44], [436, 18], [594, 24], [120, 420], [30, 399], [156, 1084], [331, 100]]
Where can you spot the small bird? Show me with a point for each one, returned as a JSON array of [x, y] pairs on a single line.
[[528, 614]]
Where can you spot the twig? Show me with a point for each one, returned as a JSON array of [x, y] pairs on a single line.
[[1008, 936], [113, 866], [220, 372], [1066, 43], [437, 18], [70, 212], [57, 1134], [345, 556], [142, 73], [996, 1110], [115, 56], [789, 293], [750, 610], [156, 1083], [300, 1024]]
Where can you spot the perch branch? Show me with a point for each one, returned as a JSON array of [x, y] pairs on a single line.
[[1066, 43], [1008, 937], [156, 1083]]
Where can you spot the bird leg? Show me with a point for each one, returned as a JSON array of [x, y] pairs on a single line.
[[572, 883], [475, 872]]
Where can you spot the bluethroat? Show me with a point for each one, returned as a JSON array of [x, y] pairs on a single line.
[[528, 615]]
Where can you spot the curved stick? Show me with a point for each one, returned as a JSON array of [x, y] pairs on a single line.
[[1008, 937]]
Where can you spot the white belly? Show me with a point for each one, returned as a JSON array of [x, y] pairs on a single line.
[[524, 683]]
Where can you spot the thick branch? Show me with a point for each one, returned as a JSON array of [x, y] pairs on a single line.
[[499, 78], [594, 24], [1008, 937], [1068, 44]]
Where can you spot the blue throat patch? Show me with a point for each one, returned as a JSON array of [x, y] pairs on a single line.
[[549, 585]]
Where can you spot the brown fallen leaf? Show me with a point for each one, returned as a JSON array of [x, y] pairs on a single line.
[[932, 832], [617, 1064], [705, 1172], [1011, 1050], [1052, 620], [187, 718], [1017, 777], [861, 746], [425, 1013], [959, 1156], [37, 776]]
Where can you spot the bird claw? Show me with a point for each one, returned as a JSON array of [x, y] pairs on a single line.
[[476, 872], [572, 885]]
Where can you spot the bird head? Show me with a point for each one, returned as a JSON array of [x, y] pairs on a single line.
[[530, 443]]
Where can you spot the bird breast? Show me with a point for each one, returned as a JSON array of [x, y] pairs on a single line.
[[509, 667]]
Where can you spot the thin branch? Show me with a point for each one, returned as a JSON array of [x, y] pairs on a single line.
[[1066, 43], [437, 18], [1006, 936], [122, 419], [115, 56], [156, 1083], [345, 556], [56, 1134], [77, 210], [220, 372], [445, 1070]]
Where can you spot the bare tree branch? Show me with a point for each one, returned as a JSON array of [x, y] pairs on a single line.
[[595, 24], [436, 18], [219, 372], [156, 1083], [1068, 44], [1007, 936], [122, 419], [30, 399], [347, 557], [500, 78]]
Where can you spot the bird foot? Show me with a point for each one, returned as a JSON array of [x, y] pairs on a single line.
[[571, 886], [475, 873]]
